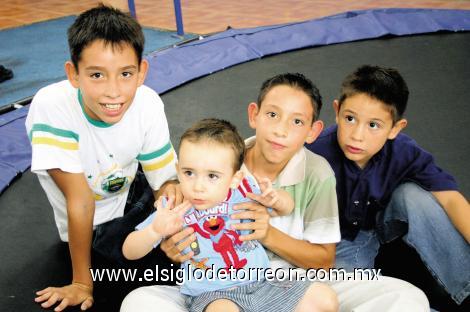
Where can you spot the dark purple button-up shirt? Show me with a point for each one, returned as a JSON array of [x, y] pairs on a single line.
[[364, 192]]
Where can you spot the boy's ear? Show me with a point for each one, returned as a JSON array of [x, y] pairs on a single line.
[[315, 130], [143, 69], [72, 74], [236, 179], [252, 113], [336, 108], [399, 125]]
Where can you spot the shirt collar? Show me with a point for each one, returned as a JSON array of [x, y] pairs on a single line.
[[97, 123], [293, 173]]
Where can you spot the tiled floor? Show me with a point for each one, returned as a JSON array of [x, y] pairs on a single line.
[[206, 16]]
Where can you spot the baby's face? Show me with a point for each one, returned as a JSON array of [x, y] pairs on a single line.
[[205, 171]]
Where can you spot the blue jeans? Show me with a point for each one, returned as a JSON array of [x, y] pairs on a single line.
[[415, 215]]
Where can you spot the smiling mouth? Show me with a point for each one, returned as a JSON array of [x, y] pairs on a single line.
[[112, 107]]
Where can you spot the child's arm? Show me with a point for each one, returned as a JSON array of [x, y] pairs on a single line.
[[165, 222], [458, 210], [80, 212], [279, 200]]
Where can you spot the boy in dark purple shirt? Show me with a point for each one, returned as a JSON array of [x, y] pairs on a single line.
[[374, 164]]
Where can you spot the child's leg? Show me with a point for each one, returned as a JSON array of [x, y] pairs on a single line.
[[359, 253], [222, 305], [154, 298], [416, 213], [318, 298]]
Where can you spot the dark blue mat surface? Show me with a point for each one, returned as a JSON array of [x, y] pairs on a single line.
[[36, 53]]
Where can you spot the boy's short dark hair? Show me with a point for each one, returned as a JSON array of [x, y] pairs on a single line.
[[297, 81], [218, 131], [108, 24], [383, 84]]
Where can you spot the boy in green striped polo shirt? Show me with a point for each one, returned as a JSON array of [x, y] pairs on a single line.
[[89, 134]]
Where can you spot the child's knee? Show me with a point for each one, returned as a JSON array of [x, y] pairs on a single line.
[[409, 192], [416, 202], [319, 298], [222, 305]]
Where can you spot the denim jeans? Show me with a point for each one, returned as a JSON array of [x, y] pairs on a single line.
[[415, 215]]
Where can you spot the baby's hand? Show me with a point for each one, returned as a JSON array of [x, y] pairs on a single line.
[[269, 196], [169, 220]]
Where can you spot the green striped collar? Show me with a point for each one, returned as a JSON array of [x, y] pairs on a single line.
[[96, 123]]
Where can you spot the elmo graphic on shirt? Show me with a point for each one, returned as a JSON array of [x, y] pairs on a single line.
[[223, 240]]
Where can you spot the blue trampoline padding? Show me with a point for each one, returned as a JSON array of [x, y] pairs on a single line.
[[15, 149], [36, 53], [173, 67]]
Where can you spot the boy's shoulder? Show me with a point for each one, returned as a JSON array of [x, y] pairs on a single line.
[[326, 145], [316, 166], [55, 102], [402, 152], [55, 93], [148, 100]]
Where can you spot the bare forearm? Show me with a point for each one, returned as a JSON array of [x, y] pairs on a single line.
[[300, 253], [80, 224], [458, 210], [140, 243]]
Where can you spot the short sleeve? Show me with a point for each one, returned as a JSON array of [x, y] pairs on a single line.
[[321, 220], [424, 171], [145, 223], [55, 143], [157, 157]]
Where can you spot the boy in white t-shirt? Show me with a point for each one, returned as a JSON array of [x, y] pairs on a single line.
[[89, 134]]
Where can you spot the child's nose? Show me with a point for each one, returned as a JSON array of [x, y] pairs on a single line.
[[112, 88], [358, 133], [198, 185], [281, 128]]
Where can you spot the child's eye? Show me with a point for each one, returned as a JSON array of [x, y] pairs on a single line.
[[213, 176], [349, 118], [374, 125], [96, 75], [127, 74], [299, 122], [188, 173], [271, 114]]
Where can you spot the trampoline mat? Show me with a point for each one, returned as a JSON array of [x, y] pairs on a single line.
[[436, 67]]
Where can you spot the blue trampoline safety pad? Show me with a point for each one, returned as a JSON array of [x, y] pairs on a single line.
[[172, 67]]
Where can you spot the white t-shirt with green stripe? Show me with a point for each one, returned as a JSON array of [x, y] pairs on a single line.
[[64, 137]]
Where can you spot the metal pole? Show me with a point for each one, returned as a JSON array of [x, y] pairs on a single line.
[[179, 18], [131, 5]]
